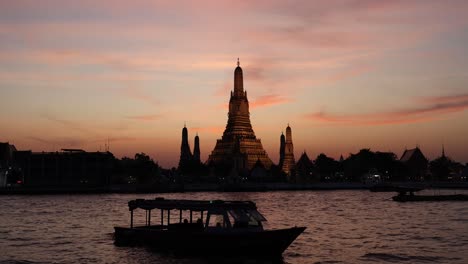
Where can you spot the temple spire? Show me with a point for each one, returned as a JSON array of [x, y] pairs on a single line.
[[196, 149], [185, 153], [238, 80], [288, 162], [238, 146]]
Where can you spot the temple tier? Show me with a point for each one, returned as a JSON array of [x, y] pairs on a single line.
[[239, 146]]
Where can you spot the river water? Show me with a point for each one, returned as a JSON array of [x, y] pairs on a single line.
[[342, 227]]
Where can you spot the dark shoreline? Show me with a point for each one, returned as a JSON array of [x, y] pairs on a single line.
[[246, 187]]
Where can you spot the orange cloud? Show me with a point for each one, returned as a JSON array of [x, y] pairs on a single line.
[[262, 101], [433, 108], [269, 100], [217, 130], [224, 106], [78, 142], [58, 143], [70, 125]]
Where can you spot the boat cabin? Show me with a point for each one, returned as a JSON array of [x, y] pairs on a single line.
[[216, 215]]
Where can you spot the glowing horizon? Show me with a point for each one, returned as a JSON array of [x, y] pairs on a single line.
[[346, 75]]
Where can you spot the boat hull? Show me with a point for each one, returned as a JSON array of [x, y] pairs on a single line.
[[266, 242]]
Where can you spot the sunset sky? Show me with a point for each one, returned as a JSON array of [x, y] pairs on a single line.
[[345, 75]]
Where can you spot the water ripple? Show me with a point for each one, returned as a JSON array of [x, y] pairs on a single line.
[[342, 227]]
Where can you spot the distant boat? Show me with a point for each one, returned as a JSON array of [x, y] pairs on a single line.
[[383, 187], [407, 195], [390, 187], [224, 228]]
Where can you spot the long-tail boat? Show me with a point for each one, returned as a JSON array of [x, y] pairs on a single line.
[[221, 228]]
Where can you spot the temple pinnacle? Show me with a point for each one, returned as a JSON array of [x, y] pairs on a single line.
[[238, 62]]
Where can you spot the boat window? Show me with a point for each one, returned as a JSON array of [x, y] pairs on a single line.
[[231, 219], [244, 218], [239, 215], [216, 220], [256, 215], [246, 215]]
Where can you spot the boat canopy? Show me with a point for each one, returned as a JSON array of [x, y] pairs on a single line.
[[194, 205], [246, 215]]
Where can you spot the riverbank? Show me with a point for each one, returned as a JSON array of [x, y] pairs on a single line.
[[212, 187]]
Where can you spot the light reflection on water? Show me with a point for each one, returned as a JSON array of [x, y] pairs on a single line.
[[342, 227]]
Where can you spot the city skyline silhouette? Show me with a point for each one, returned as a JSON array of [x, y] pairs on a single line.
[[156, 131]]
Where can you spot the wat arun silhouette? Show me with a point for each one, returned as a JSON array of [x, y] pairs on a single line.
[[239, 147]]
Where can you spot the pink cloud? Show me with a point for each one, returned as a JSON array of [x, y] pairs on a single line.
[[348, 73], [432, 108], [445, 99]]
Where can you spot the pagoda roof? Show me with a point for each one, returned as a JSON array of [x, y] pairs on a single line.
[[410, 153]]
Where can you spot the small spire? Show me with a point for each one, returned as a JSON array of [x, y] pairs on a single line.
[[443, 150], [238, 63], [185, 123]]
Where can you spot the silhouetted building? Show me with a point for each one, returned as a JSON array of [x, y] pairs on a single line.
[[185, 153], [305, 170], [415, 164], [444, 168], [73, 168], [259, 173], [6, 154], [239, 137], [287, 162], [9, 175], [196, 149]]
